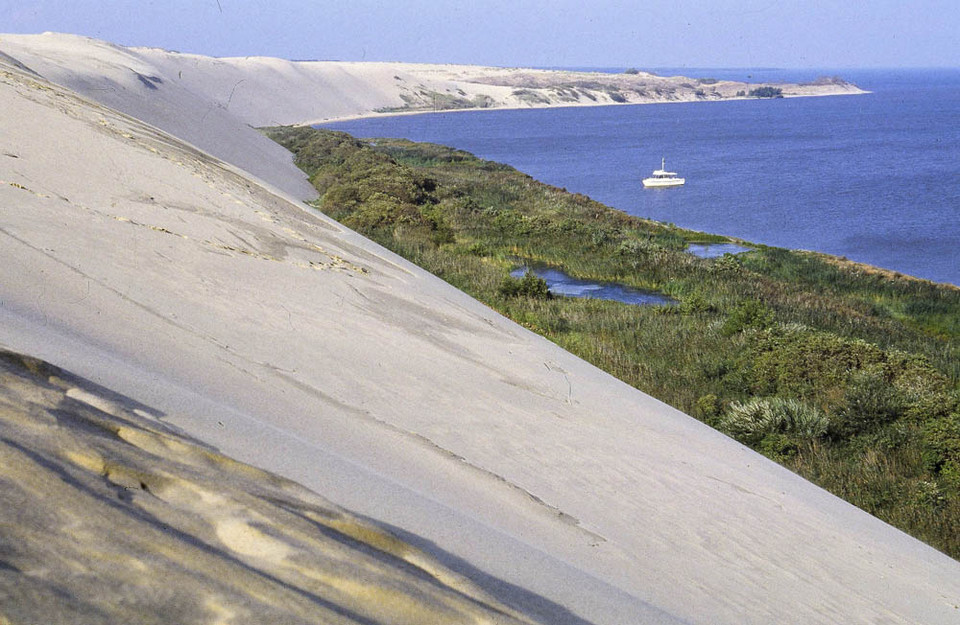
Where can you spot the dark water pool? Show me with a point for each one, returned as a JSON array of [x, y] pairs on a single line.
[[560, 283], [716, 250]]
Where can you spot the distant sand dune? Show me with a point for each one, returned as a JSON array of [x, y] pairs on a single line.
[[212, 102]]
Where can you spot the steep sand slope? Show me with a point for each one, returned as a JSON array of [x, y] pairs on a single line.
[[109, 515], [290, 343], [121, 79], [211, 102]]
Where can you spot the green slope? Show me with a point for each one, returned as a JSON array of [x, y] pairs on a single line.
[[847, 374]]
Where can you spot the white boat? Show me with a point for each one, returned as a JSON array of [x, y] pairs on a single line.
[[663, 178]]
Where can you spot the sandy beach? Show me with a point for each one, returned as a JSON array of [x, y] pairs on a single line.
[[157, 246]]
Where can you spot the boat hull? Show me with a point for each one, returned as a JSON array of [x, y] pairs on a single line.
[[663, 182]]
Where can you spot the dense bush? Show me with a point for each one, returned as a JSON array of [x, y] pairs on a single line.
[[869, 401], [941, 449], [751, 314], [767, 92], [530, 285], [863, 382]]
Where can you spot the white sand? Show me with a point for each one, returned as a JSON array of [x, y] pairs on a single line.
[[157, 271]]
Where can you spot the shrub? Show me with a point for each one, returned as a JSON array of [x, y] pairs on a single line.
[[930, 495], [531, 96], [728, 265], [707, 408], [635, 247], [340, 197], [752, 421], [778, 446], [941, 448], [381, 210], [793, 360], [750, 314], [477, 249], [869, 401], [530, 285], [925, 392], [695, 303], [482, 101], [767, 92]]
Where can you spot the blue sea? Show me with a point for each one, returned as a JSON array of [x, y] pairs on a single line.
[[874, 178]]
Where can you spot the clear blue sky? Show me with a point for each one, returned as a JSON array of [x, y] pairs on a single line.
[[599, 33]]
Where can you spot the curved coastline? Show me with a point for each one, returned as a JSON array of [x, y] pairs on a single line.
[[215, 103]]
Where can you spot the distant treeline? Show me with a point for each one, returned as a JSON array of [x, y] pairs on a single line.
[[767, 92]]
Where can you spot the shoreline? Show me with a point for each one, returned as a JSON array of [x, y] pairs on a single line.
[[838, 257], [217, 103], [378, 115]]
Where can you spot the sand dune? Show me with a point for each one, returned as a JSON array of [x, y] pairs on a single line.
[[151, 268], [213, 102]]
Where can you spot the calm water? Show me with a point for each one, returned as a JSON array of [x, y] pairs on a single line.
[[715, 250], [560, 283], [875, 178]]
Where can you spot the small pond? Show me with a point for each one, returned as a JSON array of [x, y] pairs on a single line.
[[716, 250], [560, 283]]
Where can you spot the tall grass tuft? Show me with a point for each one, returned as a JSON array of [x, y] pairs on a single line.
[[751, 421]]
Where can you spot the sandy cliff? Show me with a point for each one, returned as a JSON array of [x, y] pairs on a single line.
[[239, 319]]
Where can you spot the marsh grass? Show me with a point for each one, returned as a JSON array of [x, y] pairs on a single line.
[[858, 366]]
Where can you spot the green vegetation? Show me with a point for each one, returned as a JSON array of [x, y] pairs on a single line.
[[530, 96], [424, 100], [846, 374], [530, 285], [772, 421], [825, 80], [767, 92]]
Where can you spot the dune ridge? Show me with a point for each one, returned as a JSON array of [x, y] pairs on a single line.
[[213, 102], [151, 268]]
